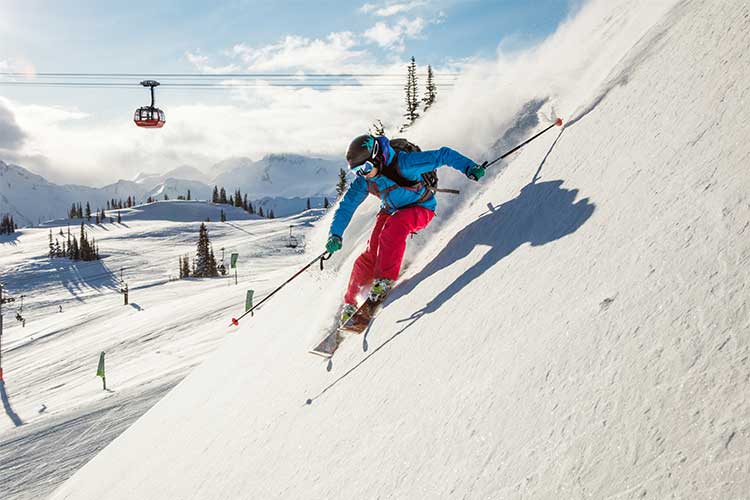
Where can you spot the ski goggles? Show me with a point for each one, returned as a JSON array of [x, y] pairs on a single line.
[[363, 169]]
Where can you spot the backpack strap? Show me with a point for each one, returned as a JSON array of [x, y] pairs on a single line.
[[393, 172]]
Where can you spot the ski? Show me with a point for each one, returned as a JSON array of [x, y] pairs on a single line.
[[357, 323], [360, 320], [328, 345]]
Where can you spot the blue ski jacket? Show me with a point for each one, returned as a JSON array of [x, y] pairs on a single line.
[[393, 196]]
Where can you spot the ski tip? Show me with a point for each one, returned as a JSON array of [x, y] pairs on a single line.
[[235, 322], [559, 122]]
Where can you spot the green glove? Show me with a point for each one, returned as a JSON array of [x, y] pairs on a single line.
[[334, 244], [476, 172]]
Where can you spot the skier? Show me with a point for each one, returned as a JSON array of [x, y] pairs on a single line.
[[407, 206]]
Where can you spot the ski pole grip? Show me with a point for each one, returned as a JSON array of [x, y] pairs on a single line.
[[323, 257]]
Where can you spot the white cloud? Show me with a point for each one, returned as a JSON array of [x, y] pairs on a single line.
[[391, 8], [17, 65], [248, 122], [200, 62], [394, 36], [11, 135], [336, 51], [242, 121]]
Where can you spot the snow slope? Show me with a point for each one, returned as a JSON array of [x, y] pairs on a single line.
[[575, 330], [55, 414]]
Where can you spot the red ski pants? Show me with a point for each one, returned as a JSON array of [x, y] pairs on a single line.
[[385, 249]]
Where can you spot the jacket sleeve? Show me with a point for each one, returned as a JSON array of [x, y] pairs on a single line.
[[354, 196], [414, 164]]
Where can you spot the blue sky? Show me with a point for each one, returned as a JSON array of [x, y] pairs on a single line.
[[233, 36], [155, 36]]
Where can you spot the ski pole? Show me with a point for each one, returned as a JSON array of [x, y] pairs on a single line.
[[321, 258], [558, 123]]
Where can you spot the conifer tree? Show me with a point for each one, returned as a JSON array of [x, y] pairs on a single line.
[[88, 212], [119, 220], [83, 245], [231, 200], [341, 184], [186, 267], [260, 211], [188, 195], [430, 90], [75, 252], [244, 203], [222, 195], [215, 195], [51, 246], [202, 254], [325, 202], [308, 204], [377, 128], [270, 214], [412, 102], [213, 271], [222, 216]]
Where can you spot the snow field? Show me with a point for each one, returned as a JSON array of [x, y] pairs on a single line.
[[168, 328]]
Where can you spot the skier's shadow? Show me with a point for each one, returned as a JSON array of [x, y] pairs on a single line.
[[541, 213]]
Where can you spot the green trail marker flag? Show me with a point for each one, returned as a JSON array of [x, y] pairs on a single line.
[[100, 368], [249, 300], [233, 261], [100, 371]]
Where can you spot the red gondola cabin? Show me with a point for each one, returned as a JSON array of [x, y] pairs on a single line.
[[149, 116]]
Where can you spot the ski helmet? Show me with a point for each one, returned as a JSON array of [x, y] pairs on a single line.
[[363, 148]]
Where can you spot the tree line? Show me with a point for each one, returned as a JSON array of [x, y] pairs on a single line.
[[238, 200], [76, 211]]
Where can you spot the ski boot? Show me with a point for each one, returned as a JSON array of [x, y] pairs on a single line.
[[346, 313], [380, 288]]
